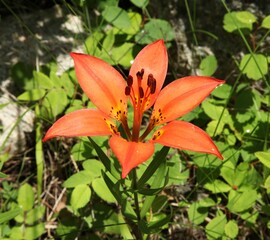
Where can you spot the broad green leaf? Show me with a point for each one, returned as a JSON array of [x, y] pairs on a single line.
[[217, 186], [101, 189], [108, 42], [197, 213], [216, 112], [241, 201], [135, 20], [214, 128], [107, 162], [246, 17], [92, 44], [208, 66], [232, 23], [42, 81], [266, 22], [140, 3], [123, 54], [32, 216], [6, 216], [82, 177], [94, 166], [264, 158], [116, 16], [22, 75], [32, 95], [155, 29], [82, 151], [26, 197], [255, 66], [215, 228], [231, 229], [207, 202], [51, 106], [222, 91], [80, 196], [29, 232], [158, 159], [115, 224]]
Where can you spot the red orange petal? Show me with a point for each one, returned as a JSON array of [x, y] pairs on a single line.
[[84, 122], [154, 60], [185, 136], [182, 96], [102, 84], [130, 154]]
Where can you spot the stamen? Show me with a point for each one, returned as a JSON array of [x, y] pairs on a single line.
[[127, 90], [153, 86], [139, 74], [141, 92], [129, 80]]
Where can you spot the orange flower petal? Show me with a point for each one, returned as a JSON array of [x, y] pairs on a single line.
[[154, 60], [181, 96], [130, 154], [84, 122], [185, 136], [102, 84]]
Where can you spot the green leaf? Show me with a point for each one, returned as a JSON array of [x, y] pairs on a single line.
[[32, 95], [26, 197], [42, 81], [255, 66], [108, 42], [135, 21], [158, 159], [231, 229], [246, 17], [116, 16], [215, 228], [32, 216], [94, 166], [214, 128], [29, 232], [9, 215], [81, 151], [208, 66], [123, 54], [264, 158], [107, 162], [82, 177], [222, 91], [80, 196], [51, 106], [231, 22], [241, 201], [197, 213], [266, 22], [155, 29], [140, 3], [217, 186], [22, 75], [101, 189]]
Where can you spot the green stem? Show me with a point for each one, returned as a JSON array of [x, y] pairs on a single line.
[[136, 230]]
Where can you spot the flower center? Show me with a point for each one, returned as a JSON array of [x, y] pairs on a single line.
[[140, 98]]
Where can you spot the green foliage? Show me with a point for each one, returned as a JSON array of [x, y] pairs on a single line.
[[227, 199]]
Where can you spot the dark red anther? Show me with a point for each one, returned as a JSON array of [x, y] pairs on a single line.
[[150, 80], [141, 92], [153, 86], [139, 74], [129, 80], [127, 90]]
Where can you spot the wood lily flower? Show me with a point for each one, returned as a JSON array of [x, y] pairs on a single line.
[[110, 92]]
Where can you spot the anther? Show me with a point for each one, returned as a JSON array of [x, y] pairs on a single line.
[[141, 92], [139, 74], [150, 80], [127, 90], [153, 86], [129, 80]]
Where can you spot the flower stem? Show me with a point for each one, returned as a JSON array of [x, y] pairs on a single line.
[[137, 231]]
